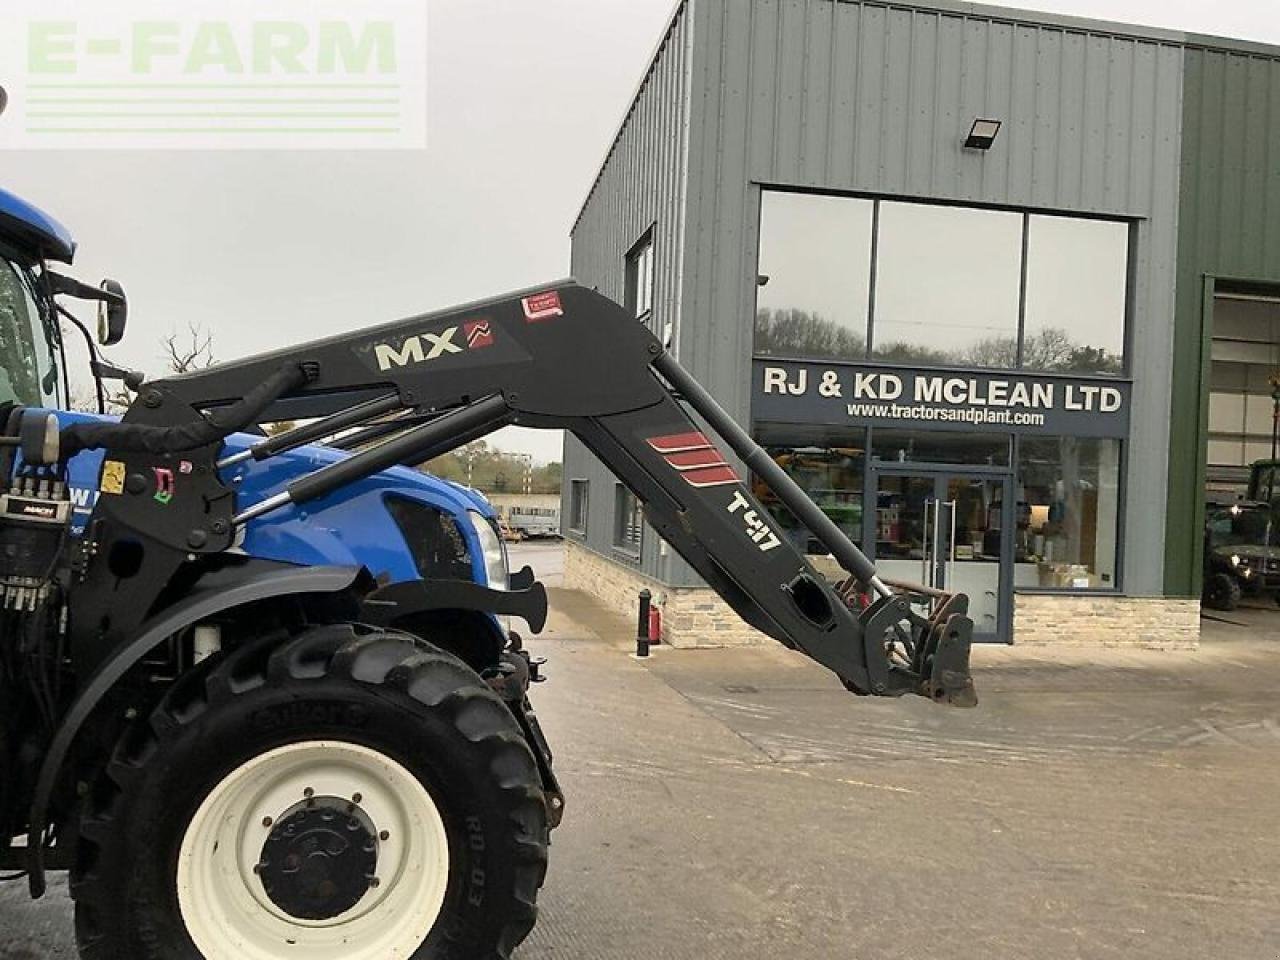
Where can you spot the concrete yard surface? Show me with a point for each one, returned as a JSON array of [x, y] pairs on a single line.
[[738, 804]]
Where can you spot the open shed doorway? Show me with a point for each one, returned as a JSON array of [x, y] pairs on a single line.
[[1242, 469], [1244, 372]]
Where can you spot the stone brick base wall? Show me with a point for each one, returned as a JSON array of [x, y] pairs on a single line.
[[1157, 623], [697, 617], [691, 616]]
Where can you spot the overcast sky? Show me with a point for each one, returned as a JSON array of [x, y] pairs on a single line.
[[270, 247]]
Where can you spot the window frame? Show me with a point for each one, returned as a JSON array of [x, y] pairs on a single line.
[[1026, 213], [579, 496], [761, 279], [877, 247], [1130, 292], [1117, 588], [39, 336], [621, 495], [642, 252]]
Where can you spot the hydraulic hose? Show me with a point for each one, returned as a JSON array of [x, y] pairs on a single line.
[[210, 428]]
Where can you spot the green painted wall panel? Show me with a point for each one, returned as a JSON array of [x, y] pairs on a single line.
[[1229, 227]]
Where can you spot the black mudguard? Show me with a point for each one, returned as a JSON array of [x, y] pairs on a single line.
[[384, 607]]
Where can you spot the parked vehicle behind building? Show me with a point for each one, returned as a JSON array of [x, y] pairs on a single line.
[[530, 522], [1241, 555]]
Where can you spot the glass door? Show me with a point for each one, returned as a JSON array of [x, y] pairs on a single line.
[[947, 530]]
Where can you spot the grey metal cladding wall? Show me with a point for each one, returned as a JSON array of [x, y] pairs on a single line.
[[873, 98], [641, 185]]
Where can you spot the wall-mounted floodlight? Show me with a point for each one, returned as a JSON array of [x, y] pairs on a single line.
[[982, 134]]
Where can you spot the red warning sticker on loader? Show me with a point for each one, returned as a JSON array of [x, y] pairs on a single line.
[[695, 458], [542, 306]]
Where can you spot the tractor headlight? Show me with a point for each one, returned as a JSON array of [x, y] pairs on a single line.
[[1235, 559], [495, 554]]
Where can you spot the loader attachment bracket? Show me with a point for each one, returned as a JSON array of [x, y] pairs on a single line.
[[949, 679], [923, 654]]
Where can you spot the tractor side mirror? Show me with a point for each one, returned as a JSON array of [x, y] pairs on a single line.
[[113, 313]]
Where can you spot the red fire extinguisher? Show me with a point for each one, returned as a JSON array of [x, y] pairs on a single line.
[[655, 624]]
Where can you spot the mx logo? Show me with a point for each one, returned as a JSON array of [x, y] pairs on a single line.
[[417, 349]]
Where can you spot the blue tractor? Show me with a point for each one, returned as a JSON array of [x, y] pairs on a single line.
[[259, 694]]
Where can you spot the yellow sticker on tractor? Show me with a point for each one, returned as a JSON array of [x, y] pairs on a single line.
[[112, 477]]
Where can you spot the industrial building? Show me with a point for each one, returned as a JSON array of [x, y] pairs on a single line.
[[1000, 289]]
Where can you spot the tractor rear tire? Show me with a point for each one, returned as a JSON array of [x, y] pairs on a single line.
[[346, 793]]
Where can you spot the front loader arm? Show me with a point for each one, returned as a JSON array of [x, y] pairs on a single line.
[[562, 357]]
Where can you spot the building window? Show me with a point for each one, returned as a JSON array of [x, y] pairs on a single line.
[[933, 285], [578, 491], [1077, 280], [1068, 513], [814, 276], [628, 521], [828, 465], [639, 293], [948, 283]]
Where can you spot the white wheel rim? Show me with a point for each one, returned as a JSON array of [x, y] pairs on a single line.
[[224, 905]]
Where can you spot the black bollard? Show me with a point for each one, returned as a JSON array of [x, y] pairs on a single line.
[[642, 626]]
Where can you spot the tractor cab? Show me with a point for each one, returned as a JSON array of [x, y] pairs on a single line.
[[30, 350], [31, 234], [32, 362]]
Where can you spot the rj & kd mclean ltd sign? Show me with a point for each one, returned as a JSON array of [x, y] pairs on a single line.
[[792, 391]]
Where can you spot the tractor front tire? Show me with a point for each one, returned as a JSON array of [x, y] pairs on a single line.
[[347, 794]]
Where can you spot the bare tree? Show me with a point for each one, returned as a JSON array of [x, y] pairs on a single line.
[[192, 351], [115, 400], [998, 352], [1048, 349], [182, 353], [799, 333]]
